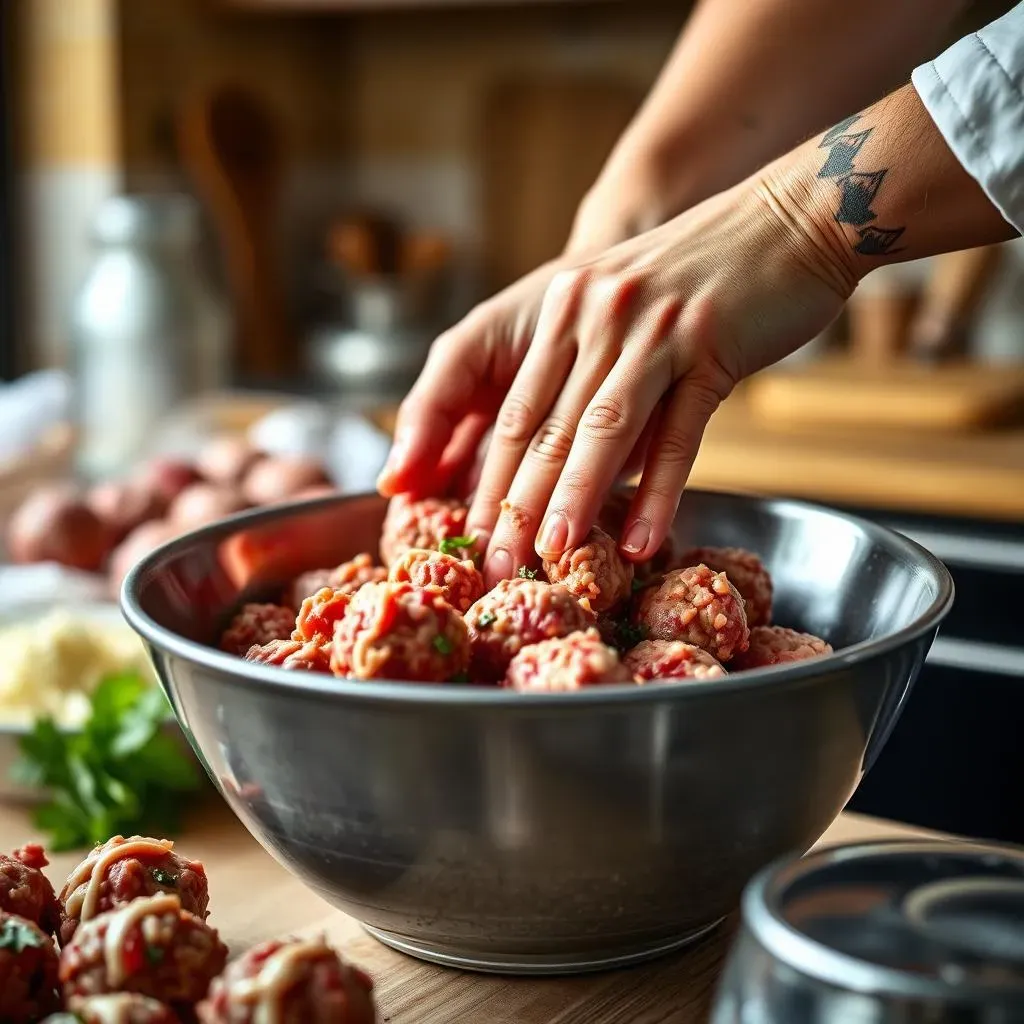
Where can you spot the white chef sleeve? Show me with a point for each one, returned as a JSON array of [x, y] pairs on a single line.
[[974, 93]]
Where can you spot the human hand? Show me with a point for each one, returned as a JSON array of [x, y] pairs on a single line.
[[634, 350]]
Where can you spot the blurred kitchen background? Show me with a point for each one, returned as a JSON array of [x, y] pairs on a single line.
[[215, 211]]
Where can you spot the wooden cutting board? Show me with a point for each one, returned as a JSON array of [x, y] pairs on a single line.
[[543, 141], [844, 391]]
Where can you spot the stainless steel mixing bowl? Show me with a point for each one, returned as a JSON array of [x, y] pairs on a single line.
[[542, 833]]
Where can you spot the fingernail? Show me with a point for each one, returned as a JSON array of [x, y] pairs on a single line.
[[637, 537], [499, 565], [554, 536]]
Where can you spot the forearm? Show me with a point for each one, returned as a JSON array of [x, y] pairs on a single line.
[[740, 89]]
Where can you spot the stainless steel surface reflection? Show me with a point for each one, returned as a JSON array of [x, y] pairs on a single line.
[[887, 933], [545, 832]]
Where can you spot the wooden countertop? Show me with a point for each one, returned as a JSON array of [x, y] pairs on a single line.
[[253, 898]]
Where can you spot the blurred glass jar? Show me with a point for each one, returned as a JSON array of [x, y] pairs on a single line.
[[147, 330]]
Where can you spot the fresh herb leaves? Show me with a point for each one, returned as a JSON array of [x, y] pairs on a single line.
[[485, 620], [16, 935], [163, 878], [122, 773], [622, 634], [455, 545], [527, 574], [442, 644]]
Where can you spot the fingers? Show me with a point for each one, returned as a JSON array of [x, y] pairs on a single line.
[[670, 458], [456, 464]]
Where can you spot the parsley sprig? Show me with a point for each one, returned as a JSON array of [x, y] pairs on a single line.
[[121, 773]]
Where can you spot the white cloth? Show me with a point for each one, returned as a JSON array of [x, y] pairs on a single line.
[[974, 93]]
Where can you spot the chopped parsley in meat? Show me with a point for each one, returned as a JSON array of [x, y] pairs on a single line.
[[638, 584], [527, 574], [624, 635], [453, 545], [163, 878], [442, 644], [459, 677], [486, 620], [18, 935]]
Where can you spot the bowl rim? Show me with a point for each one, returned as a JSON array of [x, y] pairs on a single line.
[[476, 694]]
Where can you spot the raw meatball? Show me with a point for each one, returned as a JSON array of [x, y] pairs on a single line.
[[226, 460], [55, 525], [302, 655], [612, 519], [152, 947], [420, 524], [116, 1008], [746, 573], [349, 576], [459, 582], [28, 971], [201, 504], [671, 659], [122, 870], [698, 606], [515, 614], [394, 631], [139, 543], [293, 982], [124, 505], [279, 478], [776, 645], [594, 571], [320, 613], [566, 663], [167, 478], [26, 891], [257, 624]]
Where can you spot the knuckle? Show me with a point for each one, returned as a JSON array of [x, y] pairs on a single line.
[[566, 282], [515, 420], [553, 441], [675, 448], [606, 419], [515, 519]]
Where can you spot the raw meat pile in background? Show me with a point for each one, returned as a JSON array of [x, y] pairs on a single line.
[[589, 618], [127, 939], [109, 527]]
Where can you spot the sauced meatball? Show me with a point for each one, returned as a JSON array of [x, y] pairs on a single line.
[[459, 582], [612, 519], [349, 577], [122, 870], [300, 655], [566, 663], [594, 572], [292, 982], [319, 615], [746, 573], [777, 645], [28, 971], [152, 947], [394, 631], [116, 1008], [257, 624], [420, 524], [697, 606], [671, 659], [515, 614], [26, 891]]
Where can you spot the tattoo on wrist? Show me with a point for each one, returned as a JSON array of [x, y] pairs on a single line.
[[857, 189]]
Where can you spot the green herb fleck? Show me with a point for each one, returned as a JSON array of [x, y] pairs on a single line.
[[154, 954], [527, 574], [453, 545], [459, 677], [485, 620], [623, 635], [122, 773], [638, 585], [442, 644], [163, 878], [17, 935]]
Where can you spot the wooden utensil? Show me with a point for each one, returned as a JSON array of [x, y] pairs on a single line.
[[233, 148]]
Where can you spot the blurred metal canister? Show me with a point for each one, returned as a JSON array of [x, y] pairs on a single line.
[[147, 329], [884, 933]]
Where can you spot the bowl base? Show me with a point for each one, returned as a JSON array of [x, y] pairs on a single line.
[[554, 964]]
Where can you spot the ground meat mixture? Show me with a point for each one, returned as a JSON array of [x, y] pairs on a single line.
[[152, 947], [746, 573], [458, 581], [319, 615], [347, 577], [394, 631], [122, 870], [776, 645], [28, 971], [300, 655], [671, 659], [26, 891], [420, 524], [515, 614], [594, 572], [295, 982], [566, 663], [697, 606], [116, 1008], [257, 624]]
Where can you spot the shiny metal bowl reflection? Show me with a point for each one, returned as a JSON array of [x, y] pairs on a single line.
[[542, 833]]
